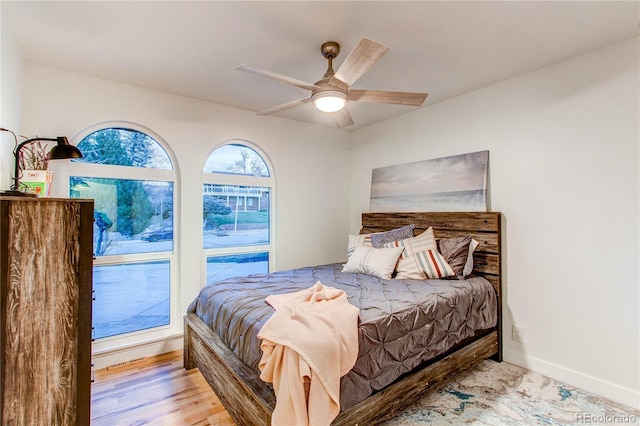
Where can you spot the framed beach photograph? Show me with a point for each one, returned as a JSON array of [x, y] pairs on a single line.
[[449, 184]]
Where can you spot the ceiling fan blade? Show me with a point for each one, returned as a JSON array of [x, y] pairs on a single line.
[[382, 96], [275, 76], [282, 107], [362, 57], [343, 118]]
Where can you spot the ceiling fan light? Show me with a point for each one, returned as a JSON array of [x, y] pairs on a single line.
[[329, 101]]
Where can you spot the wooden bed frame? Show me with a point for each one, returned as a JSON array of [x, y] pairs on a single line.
[[250, 401]]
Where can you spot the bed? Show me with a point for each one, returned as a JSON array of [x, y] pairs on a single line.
[[228, 362]]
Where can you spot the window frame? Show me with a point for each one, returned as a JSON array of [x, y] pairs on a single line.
[[69, 168], [216, 178]]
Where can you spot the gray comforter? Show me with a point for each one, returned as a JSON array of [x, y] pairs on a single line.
[[402, 322]]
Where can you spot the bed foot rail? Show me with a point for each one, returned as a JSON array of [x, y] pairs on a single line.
[[248, 399], [408, 391]]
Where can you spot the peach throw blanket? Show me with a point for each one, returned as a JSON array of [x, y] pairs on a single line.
[[308, 344]]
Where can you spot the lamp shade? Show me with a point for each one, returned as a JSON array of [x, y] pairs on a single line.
[[64, 150]]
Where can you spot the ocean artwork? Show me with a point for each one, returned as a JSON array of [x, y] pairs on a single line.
[[449, 184]]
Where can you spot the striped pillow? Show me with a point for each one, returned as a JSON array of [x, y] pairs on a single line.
[[420, 258], [358, 240]]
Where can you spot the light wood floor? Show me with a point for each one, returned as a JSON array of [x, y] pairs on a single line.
[[155, 391]]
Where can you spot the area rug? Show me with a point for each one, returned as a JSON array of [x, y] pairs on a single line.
[[504, 394]]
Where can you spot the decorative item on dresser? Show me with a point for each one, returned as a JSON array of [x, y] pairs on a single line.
[[45, 307], [250, 401], [61, 151]]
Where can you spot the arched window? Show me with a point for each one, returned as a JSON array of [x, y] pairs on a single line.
[[131, 178], [237, 196]]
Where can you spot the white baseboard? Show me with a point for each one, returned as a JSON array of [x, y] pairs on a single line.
[[123, 354], [622, 395]]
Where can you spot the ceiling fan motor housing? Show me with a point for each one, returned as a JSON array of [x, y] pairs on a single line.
[[330, 49]]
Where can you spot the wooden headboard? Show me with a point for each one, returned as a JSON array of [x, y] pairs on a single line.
[[483, 227]]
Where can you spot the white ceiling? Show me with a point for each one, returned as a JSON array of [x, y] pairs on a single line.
[[191, 48]]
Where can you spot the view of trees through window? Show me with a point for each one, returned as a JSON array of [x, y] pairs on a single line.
[[133, 231], [236, 159], [129, 214], [123, 147]]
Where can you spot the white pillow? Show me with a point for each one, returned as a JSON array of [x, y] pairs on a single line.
[[468, 267], [379, 262], [356, 241]]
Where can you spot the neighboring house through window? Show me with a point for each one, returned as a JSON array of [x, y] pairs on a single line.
[[237, 196]]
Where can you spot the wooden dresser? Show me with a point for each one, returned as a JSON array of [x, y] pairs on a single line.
[[45, 307]]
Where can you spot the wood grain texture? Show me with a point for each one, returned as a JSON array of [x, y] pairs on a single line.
[[240, 387], [277, 77], [247, 398], [343, 118], [459, 221], [484, 227], [387, 97], [155, 391], [366, 53], [46, 311]]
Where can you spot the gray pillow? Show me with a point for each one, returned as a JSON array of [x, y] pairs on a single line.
[[455, 251], [379, 239]]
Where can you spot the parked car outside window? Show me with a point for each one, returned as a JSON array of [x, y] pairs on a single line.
[[165, 233]]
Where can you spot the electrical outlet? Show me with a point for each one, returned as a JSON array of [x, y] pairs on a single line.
[[517, 334]]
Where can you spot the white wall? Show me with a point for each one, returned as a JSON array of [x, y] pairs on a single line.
[[563, 145], [310, 162], [11, 64]]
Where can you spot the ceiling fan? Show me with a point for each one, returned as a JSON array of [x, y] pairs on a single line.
[[332, 93]]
